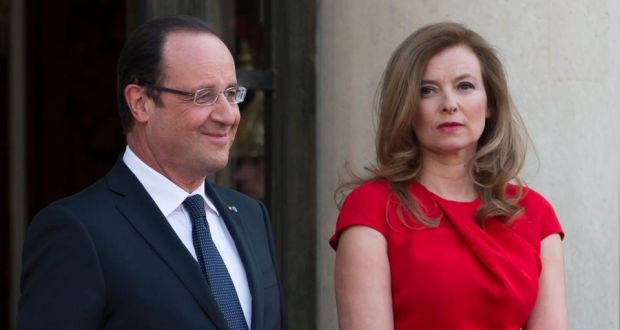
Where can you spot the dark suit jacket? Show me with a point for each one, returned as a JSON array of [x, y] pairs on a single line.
[[106, 258]]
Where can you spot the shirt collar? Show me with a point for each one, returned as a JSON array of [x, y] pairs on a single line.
[[166, 194]]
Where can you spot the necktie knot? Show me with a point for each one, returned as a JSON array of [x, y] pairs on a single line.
[[195, 206]]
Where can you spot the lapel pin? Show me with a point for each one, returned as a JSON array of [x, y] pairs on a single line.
[[232, 208]]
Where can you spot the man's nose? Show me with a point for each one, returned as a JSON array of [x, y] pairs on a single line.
[[224, 112]]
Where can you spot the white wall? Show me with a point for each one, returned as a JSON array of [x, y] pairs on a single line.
[[563, 64]]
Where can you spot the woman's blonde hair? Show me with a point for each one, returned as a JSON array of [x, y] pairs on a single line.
[[501, 148]]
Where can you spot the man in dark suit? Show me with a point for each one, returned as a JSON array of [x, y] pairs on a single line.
[[153, 245]]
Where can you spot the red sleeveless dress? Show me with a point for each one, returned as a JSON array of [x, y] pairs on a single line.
[[457, 275]]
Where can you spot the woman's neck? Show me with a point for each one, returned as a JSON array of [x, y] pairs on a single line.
[[447, 177]]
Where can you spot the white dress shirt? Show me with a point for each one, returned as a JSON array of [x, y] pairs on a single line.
[[169, 198]]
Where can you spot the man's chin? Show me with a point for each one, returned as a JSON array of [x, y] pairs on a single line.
[[212, 165]]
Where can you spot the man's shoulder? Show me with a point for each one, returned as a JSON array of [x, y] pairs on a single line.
[[88, 199]]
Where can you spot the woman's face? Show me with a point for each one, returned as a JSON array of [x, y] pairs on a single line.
[[453, 103]]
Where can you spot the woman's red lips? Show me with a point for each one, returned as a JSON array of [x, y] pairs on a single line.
[[449, 127], [450, 124]]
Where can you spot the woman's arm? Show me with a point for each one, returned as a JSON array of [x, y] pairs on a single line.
[[550, 310], [363, 291]]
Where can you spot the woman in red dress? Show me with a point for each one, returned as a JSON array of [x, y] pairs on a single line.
[[439, 237]]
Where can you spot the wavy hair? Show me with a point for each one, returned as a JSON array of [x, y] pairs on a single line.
[[500, 153]]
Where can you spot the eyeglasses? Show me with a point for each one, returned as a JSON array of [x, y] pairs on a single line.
[[209, 96]]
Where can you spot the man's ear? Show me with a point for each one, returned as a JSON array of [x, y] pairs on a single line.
[[138, 102]]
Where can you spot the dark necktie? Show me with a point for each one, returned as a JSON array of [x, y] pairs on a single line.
[[212, 265]]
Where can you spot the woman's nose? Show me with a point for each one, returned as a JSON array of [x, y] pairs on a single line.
[[450, 103]]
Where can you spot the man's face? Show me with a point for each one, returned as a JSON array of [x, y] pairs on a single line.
[[193, 140]]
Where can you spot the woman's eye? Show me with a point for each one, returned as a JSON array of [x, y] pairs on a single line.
[[425, 91], [466, 86]]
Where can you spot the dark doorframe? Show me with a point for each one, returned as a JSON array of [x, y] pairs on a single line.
[[293, 155], [73, 131], [6, 276]]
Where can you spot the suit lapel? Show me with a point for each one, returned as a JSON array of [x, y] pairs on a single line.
[[142, 212], [233, 218]]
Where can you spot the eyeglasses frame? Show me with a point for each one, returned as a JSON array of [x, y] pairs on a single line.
[[195, 94]]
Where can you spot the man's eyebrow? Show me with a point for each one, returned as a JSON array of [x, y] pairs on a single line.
[[212, 86]]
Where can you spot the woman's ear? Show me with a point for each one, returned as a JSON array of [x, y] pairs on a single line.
[[488, 113], [137, 100]]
